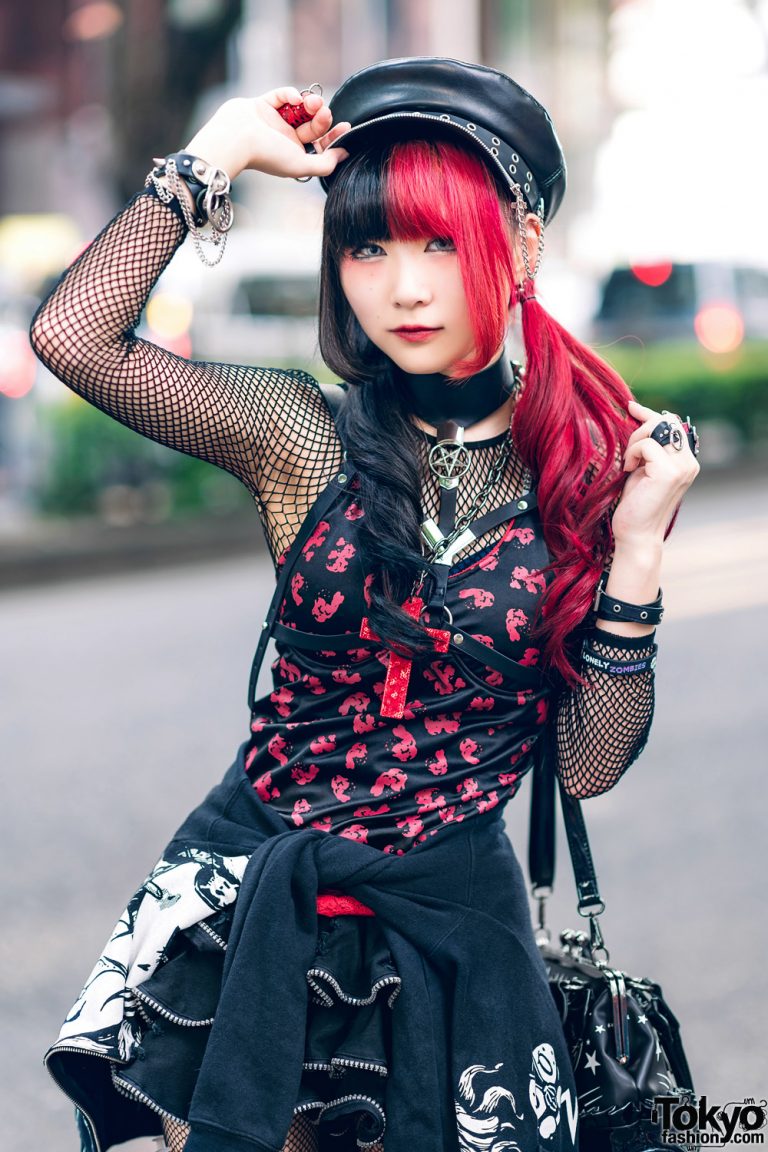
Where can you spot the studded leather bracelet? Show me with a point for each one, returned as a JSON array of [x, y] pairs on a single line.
[[609, 608]]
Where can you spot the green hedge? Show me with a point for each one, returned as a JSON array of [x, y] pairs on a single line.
[[687, 380], [89, 453]]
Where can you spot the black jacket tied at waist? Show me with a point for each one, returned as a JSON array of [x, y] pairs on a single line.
[[455, 916]]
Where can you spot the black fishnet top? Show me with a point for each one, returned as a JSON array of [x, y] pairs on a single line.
[[273, 431]]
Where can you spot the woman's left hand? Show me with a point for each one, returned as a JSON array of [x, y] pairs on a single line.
[[658, 478]]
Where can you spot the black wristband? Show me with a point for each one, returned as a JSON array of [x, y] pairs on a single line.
[[184, 162], [609, 608], [618, 667]]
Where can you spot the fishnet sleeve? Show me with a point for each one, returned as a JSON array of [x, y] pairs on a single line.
[[601, 727], [271, 429]]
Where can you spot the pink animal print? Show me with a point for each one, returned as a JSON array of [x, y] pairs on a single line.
[[439, 765], [389, 782], [355, 753], [430, 799], [345, 676], [304, 775], [366, 810], [288, 671], [276, 748], [532, 581], [516, 619], [363, 724], [340, 786], [468, 748], [495, 679], [469, 789], [507, 778], [482, 704], [367, 589], [323, 609], [258, 723], [356, 701], [324, 823], [316, 540], [542, 711], [490, 801], [300, 809], [354, 511], [315, 685], [521, 535], [282, 699], [481, 598], [405, 749], [530, 657], [264, 787], [356, 832], [340, 556], [323, 744], [444, 678], [448, 814], [411, 825], [441, 723], [297, 583]]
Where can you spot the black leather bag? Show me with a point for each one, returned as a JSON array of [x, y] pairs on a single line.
[[623, 1038]]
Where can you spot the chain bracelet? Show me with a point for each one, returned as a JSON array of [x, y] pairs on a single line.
[[216, 205]]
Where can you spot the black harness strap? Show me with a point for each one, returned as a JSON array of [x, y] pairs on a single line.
[[324, 502]]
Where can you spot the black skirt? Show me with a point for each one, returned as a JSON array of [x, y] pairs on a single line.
[[352, 986]]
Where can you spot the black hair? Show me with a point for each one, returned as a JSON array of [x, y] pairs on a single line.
[[382, 442]]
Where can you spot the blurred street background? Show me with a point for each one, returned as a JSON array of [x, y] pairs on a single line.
[[132, 579]]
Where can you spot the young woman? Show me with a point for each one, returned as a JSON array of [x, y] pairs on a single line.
[[468, 553]]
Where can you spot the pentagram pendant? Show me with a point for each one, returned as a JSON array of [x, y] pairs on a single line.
[[449, 460]]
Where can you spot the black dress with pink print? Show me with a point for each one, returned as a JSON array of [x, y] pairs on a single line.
[[322, 754]]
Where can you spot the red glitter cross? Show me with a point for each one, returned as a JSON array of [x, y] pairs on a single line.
[[399, 669]]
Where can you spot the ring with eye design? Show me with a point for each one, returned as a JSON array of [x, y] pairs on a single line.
[[666, 432]]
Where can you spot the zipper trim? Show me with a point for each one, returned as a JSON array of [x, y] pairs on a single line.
[[324, 1107], [213, 935], [345, 1062], [129, 1090], [358, 1001], [173, 1017], [54, 1050]]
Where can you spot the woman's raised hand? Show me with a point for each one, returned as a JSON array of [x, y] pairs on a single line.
[[250, 133], [657, 481]]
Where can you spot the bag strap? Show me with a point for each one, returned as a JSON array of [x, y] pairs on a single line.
[[333, 395], [541, 839]]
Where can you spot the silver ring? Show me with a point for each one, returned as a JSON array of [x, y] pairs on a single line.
[[668, 432]]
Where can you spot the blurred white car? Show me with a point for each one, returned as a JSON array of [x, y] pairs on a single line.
[[257, 306]]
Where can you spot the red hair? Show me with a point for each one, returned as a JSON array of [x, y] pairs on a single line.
[[437, 189], [571, 423]]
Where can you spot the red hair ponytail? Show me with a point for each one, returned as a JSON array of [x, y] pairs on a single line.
[[571, 426]]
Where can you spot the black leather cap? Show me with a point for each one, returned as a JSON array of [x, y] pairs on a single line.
[[421, 96]]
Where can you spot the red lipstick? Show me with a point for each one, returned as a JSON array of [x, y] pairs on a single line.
[[415, 332]]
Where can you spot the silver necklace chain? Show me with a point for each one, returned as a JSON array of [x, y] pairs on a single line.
[[478, 505]]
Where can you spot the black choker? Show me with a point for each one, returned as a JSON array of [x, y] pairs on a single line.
[[435, 398]]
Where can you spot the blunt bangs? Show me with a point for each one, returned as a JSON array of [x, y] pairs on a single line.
[[407, 190]]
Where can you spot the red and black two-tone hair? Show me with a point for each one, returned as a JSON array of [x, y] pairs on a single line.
[[570, 423]]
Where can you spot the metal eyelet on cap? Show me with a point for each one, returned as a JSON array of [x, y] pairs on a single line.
[[513, 169], [515, 157], [494, 151], [526, 187], [444, 116], [495, 140], [472, 127]]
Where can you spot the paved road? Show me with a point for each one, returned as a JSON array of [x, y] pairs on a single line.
[[123, 699]]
